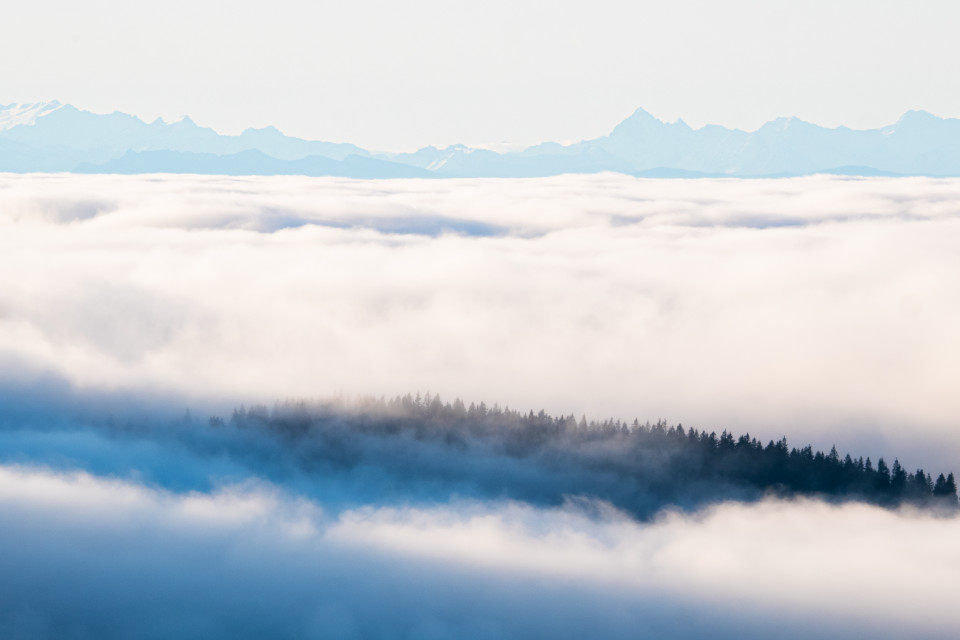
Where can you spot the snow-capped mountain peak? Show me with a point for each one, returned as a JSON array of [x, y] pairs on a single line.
[[16, 114]]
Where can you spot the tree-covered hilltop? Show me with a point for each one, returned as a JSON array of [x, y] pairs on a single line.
[[641, 468]]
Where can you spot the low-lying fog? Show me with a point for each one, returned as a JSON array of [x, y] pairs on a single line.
[[824, 309]]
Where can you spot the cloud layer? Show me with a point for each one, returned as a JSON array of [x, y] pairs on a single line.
[[112, 559], [821, 307]]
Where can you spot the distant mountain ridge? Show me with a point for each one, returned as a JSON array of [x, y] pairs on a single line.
[[54, 137]]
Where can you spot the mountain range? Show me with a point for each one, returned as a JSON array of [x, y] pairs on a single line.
[[54, 137]]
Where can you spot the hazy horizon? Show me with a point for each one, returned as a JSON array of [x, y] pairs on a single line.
[[507, 71], [497, 144], [689, 372]]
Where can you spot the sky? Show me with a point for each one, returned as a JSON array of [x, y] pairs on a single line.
[[391, 76]]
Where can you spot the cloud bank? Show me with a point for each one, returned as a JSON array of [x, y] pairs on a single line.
[[113, 559], [823, 308], [820, 308]]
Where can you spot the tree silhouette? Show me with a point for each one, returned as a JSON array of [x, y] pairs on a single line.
[[637, 467]]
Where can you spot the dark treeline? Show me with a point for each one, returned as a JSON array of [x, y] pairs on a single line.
[[638, 467]]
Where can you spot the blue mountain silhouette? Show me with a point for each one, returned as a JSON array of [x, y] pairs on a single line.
[[55, 137]]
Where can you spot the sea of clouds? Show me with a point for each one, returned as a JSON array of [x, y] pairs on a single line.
[[820, 308], [823, 308]]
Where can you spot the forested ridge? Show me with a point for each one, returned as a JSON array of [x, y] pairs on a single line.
[[638, 467]]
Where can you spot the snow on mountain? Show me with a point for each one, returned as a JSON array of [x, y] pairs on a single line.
[[18, 114], [56, 137]]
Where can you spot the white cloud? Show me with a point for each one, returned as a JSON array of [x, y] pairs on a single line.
[[803, 558], [823, 308], [134, 561]]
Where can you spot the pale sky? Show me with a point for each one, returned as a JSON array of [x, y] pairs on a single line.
[[388, 75]]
